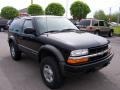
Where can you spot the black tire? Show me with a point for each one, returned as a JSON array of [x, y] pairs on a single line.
[[110, 34], [57, 79], [15, 52]]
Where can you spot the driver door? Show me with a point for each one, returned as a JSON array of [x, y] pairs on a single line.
[[29, 41]]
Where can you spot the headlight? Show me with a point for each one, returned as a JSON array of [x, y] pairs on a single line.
[[80, 52]]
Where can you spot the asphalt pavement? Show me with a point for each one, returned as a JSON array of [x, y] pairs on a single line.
[[25, 74]]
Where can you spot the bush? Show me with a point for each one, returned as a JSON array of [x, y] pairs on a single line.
[[35, 9], [9, 12], [55, 9], [79, 10]]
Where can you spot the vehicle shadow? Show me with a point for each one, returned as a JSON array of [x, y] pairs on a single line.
[[25, 75]]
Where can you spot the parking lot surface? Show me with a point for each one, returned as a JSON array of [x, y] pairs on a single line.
[[25, 74]]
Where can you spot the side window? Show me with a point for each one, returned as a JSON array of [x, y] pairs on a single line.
[[101, 23], [94, 23], [28, 24], [16, 26]]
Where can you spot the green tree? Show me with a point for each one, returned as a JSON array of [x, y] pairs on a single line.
[[114, 17], [101, 15], [79, 10], [9, 12], [35, 9], [55, 9]]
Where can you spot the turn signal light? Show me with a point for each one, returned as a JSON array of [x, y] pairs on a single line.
[[77, 61]]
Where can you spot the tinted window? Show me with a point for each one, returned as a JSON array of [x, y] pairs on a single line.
[[85, 22], [94, 23], [16, 25], [101, 23], [54, 23], [28, 24]]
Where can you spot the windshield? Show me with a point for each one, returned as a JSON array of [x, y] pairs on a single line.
[[85, 22], [45, 24]]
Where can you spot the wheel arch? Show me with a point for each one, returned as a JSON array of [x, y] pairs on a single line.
[[11, 39], [50, 50], [112, 30]]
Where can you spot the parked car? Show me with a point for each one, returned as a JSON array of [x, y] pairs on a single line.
[[99, 27], [114, 24], [58, 46], [3, 24]]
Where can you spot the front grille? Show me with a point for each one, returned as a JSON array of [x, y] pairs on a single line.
[[97, 58], [97, 49]]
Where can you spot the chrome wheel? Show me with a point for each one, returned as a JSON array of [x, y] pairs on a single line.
[[12, 51], [97, 33], [48, 73]]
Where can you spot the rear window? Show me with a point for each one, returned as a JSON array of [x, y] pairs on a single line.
[[85, 22]]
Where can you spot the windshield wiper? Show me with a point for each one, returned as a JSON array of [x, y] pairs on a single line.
[[51, 31], [69, 29]]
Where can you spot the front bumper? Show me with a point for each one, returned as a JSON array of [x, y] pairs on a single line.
[[73, 69]]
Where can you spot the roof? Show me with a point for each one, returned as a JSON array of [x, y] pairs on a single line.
[[43, 16]]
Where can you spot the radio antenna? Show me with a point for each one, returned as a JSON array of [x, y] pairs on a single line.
[[46, 17]]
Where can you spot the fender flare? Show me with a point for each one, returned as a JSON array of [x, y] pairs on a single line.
[[53, 50], [12, 39]]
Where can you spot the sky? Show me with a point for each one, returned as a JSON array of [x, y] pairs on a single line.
[[94, 5]]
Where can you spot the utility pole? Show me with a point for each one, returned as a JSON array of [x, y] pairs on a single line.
[[119, 16], [110, 15], [31, 2], [66, 8]]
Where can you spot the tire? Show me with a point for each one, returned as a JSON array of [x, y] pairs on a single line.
[[15, 52], [97, 32], [110, 34], [2, 29], [49, 66]]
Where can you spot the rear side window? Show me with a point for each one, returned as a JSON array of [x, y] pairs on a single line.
[[27, 24], [85, 22], [101, 23], [16, 25], [94, 23]]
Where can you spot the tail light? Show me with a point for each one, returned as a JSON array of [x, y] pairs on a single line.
[[90, 28]]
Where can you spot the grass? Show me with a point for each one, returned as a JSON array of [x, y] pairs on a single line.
[[117, 30]]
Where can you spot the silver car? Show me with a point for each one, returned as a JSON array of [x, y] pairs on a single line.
[[99, 27]]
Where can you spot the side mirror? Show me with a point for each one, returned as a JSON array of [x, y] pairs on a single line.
[[29, 31]]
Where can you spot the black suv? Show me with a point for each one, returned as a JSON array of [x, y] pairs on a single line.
[[59, 46]]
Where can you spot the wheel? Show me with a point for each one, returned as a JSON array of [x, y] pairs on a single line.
[[110, 34], [15, 53], [50, 73], [1, 29], [97, 32]]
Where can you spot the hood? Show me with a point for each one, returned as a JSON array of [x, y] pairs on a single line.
[[78, 40]]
